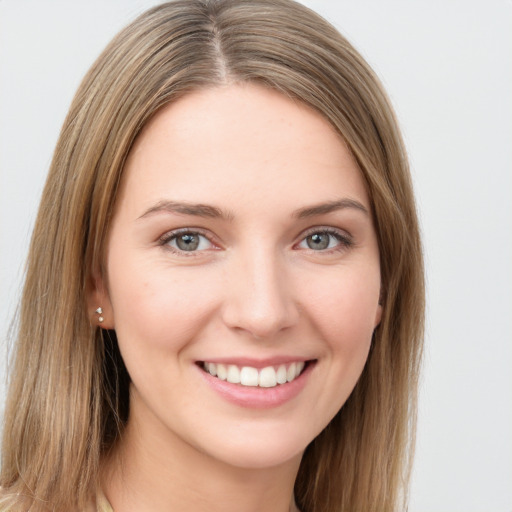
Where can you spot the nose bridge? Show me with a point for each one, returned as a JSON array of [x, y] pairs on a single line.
[[260, 297]]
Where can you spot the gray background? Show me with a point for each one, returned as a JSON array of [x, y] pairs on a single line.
[[447, 66]]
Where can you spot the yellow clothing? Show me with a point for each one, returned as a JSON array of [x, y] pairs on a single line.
[[102, 504]]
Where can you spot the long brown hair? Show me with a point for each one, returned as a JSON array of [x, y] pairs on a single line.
[[67, 401]]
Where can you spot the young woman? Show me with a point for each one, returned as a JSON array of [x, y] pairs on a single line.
[[223, 305]]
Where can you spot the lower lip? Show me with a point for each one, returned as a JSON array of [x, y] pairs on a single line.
[[255, 397]]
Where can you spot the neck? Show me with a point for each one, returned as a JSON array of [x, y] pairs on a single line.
[[148, 472]]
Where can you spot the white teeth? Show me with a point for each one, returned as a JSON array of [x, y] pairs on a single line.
[[267, 377], [222, 371], [249, 376], [233, 374], [290, 374], [281, 374]]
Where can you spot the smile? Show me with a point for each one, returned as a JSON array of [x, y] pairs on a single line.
[[268, 377]]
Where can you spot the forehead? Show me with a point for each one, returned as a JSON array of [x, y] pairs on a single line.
[[240, 142]]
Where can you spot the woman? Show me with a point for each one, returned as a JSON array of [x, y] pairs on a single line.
[[223, 304]]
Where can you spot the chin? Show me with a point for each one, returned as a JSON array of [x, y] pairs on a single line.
[[259, 447], [256, 456]]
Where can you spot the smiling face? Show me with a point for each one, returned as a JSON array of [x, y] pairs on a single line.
[[242, 249]]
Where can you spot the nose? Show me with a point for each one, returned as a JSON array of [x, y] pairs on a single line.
[[259, 295]]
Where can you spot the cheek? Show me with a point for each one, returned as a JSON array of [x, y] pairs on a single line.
[[344, 310], [159, 309]]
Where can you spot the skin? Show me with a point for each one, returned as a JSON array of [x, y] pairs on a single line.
[[254, 288]]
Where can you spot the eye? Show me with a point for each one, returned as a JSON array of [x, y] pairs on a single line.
[[324, 240], [186, 241]]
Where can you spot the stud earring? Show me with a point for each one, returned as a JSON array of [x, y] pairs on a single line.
[[100, 312]]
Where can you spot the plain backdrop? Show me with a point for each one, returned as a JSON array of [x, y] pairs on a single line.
[[447, 66]]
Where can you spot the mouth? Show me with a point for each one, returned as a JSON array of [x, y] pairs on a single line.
[[267, 377]]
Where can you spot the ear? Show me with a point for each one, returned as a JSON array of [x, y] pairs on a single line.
[[98, 297]]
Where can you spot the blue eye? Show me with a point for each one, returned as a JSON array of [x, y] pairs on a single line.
[[324, 240], [188, 241]]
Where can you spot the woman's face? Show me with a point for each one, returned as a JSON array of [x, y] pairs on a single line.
[[242, 248]]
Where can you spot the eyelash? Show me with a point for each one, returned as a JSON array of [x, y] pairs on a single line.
[[165, 240], [344, 240]]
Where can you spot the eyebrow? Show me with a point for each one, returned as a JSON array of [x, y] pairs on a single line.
[[212, 212], [331, 206], [196, 209]]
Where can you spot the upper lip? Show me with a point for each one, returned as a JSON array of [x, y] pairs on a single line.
[[256, 362]]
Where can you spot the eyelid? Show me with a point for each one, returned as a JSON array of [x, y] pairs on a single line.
[[164, 240], [345, 238]]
